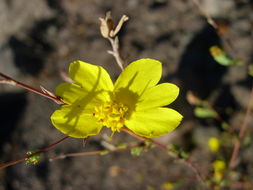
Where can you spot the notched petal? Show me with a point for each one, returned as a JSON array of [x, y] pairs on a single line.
[[140, 75], [154, 122], [157, 96]]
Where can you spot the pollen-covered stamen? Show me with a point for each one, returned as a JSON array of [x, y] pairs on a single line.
[[111, 115]]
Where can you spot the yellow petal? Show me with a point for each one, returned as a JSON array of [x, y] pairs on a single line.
[[90, 77], [74, 122], [154, 122], [139, 75], [160, 95], [71, 93]]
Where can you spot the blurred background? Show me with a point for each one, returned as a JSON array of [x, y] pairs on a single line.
[[39, 38]]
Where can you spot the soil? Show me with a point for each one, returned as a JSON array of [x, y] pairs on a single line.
[[39, 38]]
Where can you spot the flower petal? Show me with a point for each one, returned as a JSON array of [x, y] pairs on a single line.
[[90, 77], [154, 122], [156, 96], [139, 75], [70, 93], [73, 122]]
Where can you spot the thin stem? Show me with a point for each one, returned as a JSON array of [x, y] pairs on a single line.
[[167, 150], [234, 155], [4, 165], [211, 21], [110, 32], [98, 152], [243, 128], [245, 123], [205, 14], [9, 80], [115, 51], [124, 129]]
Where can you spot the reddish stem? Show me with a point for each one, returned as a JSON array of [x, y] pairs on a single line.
[[163, 147], [11, 81], [243, 128], [98, 152], [4, 165], [124, 129]]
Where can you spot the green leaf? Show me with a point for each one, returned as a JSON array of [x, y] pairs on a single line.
[[224, 125], [247, 140], [179, 150], [137, 151], [224, 60], [204, 113], [250, 70], [224, 182], [122, 145], [175, 148], [183, 154], [33, 159], [103, 152], [222, 57], [147, 145]]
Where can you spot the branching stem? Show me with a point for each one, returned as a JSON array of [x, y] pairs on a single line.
[[167, 150], [211, 21], [115, 51], [4, 165], [98, 152]]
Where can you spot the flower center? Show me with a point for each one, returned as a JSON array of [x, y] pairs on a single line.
[[111, 115]]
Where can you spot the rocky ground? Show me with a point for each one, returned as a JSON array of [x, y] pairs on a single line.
[[40, 38]]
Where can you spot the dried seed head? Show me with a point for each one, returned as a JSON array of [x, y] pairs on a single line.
[[107, 28]]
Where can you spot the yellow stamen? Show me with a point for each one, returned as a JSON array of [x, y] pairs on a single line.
[[111, 115]]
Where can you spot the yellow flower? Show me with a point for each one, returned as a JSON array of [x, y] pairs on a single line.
[[218, 166], [134, 101], [168, 186], [214, 144]]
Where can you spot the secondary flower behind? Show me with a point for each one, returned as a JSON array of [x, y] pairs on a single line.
[[134, 101]]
